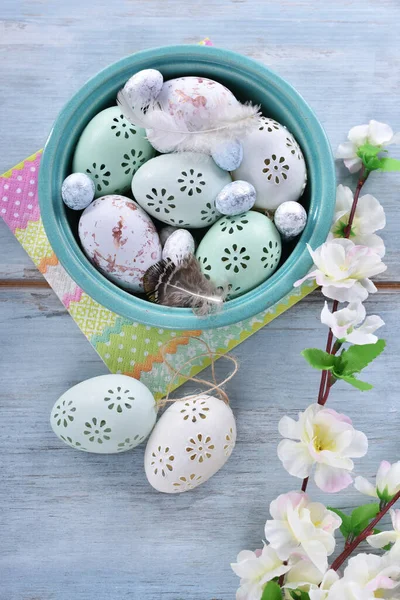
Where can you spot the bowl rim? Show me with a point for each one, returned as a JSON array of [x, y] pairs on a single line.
[[112, 297]]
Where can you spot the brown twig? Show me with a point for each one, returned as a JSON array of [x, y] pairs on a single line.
[[337, 563]]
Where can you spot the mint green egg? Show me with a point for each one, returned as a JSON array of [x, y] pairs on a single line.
[[180, 189], [111, 150], [242, 251]]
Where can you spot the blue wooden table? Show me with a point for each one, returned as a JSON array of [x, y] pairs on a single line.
[[84, 527]]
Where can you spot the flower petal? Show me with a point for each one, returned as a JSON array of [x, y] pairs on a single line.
[[359, 134], [289, 428], [358, 446], [344, 198], [379, 133], [371, 213], [356, 293], [330, 479], [373, 241], [346, 150], [382, 539], [295, 458], [316, 552], [365, 487], [353, 164]]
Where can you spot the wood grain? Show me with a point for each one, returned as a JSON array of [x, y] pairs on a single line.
[[87, 526], [82, 526]]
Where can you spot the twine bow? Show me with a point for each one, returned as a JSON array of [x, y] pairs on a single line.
[[178, 372]]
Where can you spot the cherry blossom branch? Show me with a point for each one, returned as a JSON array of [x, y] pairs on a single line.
[[337, 563], [326, 379]]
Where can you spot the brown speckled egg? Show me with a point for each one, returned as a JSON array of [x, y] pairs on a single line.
[[120, 239]]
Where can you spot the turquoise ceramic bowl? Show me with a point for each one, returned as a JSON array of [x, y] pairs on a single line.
[[248, 80]]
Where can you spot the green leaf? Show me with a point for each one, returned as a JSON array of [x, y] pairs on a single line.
[[345, 527], [363, 386], [319, 359], [369, 156], [368, 150], [361, 516], [299, 595], [356, 358], [389, 164], [272, 591]]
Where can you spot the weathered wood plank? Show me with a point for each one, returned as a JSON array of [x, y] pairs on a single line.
[[74, 525], [82, 526]]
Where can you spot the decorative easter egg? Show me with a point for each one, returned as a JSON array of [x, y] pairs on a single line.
[[193, 99], [235, 198], [242, 251], [192, 440], [228, 155], [165, 232], [77, 191], [110, 150], [179, 245], [120, 240], [105, 414], [180, 189], [144, 86], [290, 218], [273, 163]]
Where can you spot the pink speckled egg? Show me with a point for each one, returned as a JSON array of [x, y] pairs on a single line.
[[120, 239], [194, 98]]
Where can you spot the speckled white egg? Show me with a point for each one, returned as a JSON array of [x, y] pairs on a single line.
[[241, 251], [179, 245], [180, 189], [192, 440], [273, 163], [144, 86], [120, 240], [105, 414], [228, 155], [235, 198], [77, 191], [165, 232], [290, 219], [193, 98]]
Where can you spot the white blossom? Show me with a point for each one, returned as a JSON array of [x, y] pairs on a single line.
[[375, 133], [387, 482], [369, 217], [367, 577], [302, 528], [343, 324], [304, 576], [344, 270], [322, 592], [380, 540], [324, 438], [255, 569]]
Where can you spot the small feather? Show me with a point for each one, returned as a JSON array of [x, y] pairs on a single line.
[[183, 285], [169, 133]]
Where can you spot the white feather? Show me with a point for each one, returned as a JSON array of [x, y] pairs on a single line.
[[169, 133]]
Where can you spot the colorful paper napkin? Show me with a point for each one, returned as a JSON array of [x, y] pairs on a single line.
[[125, 347]]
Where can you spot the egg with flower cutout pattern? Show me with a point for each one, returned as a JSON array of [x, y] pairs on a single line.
[[241, 251], [274, 164], [105, 414], [180, 189], [191, 442], [110, 150]]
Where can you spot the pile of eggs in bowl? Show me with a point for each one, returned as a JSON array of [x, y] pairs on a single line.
[[230, 205]]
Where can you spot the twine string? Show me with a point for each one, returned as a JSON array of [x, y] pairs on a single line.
[[210, 387]]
